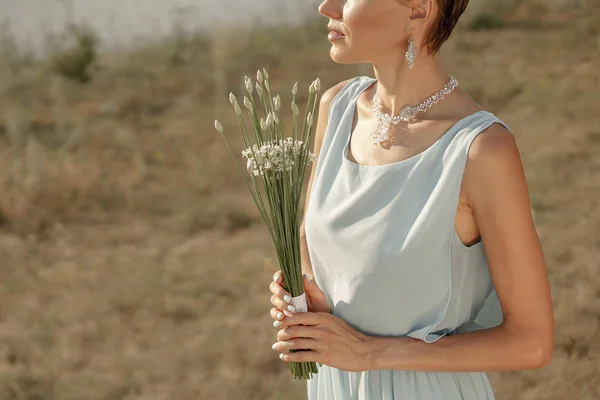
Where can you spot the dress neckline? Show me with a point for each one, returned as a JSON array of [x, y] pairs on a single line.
[[352, 111]]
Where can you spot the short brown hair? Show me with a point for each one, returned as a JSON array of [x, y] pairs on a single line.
[[440, 31]]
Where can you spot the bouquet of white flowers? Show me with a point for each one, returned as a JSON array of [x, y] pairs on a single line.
[[277, 166]]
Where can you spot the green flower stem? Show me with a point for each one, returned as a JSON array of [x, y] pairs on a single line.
[[259, 204], [257, 199]]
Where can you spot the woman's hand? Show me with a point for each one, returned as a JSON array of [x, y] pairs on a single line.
[[315, 298], [330, 339]]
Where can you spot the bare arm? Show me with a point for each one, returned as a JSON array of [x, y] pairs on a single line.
[[497, 191]]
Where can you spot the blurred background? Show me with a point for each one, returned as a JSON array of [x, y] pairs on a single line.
[[133, 261]]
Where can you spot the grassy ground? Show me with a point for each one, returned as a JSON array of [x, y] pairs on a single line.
[[133, 264]]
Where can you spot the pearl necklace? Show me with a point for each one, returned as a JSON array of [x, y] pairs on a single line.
[[408, 113]]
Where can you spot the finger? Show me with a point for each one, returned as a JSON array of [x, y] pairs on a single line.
[[305, 318], [294, 332], [281, 304], [277, 314], [278, 277], [280, 292], [297, 344], [300, 356]]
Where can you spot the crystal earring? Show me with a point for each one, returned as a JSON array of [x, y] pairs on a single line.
[[411, 53]]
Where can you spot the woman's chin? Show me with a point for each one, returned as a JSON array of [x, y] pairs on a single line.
[[342, 57]]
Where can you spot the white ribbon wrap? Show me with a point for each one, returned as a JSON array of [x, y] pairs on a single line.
[[300, 303]]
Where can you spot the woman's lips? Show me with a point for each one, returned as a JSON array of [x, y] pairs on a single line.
[[333, 35]]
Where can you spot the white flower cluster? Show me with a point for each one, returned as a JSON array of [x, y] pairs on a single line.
[[276, 156]]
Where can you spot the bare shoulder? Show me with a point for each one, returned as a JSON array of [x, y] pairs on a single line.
[[493, 167], [494, 145], [330, 93]]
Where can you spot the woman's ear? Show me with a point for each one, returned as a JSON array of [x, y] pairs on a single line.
[[420, 13]]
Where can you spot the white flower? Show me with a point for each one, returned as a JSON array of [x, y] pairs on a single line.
[[295, 88], [250, 165], [218, 126], [275, 152], [259, 76], [275, 157], [260, 158]]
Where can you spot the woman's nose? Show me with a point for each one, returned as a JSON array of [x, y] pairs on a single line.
[[331, 9]]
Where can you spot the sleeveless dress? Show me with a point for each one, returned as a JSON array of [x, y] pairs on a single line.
[[384, 249]]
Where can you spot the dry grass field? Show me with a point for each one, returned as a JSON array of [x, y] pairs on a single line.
[[133, 263]]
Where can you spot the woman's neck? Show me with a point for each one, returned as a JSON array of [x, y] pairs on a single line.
[[400, 86]]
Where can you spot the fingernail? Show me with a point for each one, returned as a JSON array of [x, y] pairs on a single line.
[[274, 347], [279, 315], [291, 308], [307, 278], [276, 324], [281, 356], [275, 276], [287, 298]]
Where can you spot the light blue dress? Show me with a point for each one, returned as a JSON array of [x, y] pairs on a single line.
[[383, 248]]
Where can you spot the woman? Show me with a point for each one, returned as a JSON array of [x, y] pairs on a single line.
[[422, 264]]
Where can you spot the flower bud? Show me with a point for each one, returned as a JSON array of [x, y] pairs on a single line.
[[265, 73], [218, 126], [295, 88], [248, 85], [311, 88], [269, 119], [259, 90], [259, 76], [247, 103], [276, 103], [263, 124], [295, 109], [238, 110], [232, 98], [309, 119], [276, 118], [318, 84], [268, 86]]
